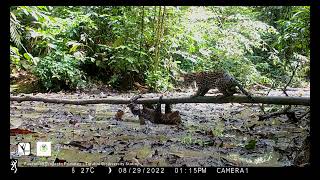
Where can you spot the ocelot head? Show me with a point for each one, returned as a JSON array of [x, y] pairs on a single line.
[[231, 86]]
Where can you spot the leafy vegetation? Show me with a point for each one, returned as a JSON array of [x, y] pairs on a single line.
[[67, 47]]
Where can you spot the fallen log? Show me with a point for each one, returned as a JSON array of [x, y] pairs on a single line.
[[280, 100]]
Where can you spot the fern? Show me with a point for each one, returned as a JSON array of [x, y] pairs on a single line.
[[14, 33]]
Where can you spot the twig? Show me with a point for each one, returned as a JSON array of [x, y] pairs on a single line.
[[303, 115], [278, 113]]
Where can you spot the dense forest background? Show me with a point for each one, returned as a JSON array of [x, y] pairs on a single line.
[[73, 69], [69, 48]]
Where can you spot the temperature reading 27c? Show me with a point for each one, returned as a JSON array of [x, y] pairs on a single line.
[[84, 170], [87, 170]]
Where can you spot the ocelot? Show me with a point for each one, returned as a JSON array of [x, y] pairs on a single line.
[[223, 81]]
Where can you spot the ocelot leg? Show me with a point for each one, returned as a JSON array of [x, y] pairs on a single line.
[[225, 92], [196, 94], [204, 91], [200, 92]]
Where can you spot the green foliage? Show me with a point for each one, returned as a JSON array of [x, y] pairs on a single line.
[[15, 36], [292, 41], [59, 72], [190, 140], [15, 56], [159, 80], [221, 37], [121, 45], [217, 130]]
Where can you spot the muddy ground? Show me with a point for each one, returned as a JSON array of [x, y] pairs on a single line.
[[210, 134]]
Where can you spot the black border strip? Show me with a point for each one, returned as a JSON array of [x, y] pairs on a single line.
[[314, 85], [172, 171]]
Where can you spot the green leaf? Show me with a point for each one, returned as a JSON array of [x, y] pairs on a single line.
[[98, 63], [34, 34], [34, 15], [25, 65], [251, 145], [74, 47], [53, 46], [28, 56], [118, 42], [25, 11], [78, 55], [13, 16], [44, 8], [56, 76], [14, 50], [35, 60], [130, 59]]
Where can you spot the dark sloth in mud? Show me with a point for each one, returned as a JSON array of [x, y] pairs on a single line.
[[148, 113]]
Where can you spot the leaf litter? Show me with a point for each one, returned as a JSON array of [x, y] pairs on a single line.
[[210, 135]]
